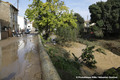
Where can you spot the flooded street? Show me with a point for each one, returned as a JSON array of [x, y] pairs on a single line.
[[19, 58]]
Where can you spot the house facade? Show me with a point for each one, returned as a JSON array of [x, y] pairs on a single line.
[[8, 19], [30, 26], [0, 31], [22, 23]]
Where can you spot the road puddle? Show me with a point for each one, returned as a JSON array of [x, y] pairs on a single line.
[[20, 60]]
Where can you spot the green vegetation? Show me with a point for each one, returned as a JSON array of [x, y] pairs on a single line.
[[80, 24], [51, 15], [70, 33], [107, 18], [54, 17], [112, 72], [88, 58], [111, 45], [100, 50], [66, 34], [66, 67]]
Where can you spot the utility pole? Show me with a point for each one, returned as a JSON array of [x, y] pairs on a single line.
[[18, 4]]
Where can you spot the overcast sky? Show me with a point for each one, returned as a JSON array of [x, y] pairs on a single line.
[[79, 6]]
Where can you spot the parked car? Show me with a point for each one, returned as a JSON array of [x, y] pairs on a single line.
[[27, 31], [36, 30]]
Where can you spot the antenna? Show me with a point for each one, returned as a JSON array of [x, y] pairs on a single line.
[[87, 17]]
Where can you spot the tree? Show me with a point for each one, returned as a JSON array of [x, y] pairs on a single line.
[[80, 24], [106, 16], [80, 20], [50, 15]]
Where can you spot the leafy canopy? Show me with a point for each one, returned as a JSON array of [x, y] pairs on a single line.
[[106, 15], [50, 15]]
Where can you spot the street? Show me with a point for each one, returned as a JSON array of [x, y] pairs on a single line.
[[19, 58]]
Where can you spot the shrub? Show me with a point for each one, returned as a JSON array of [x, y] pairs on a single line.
[[97, 32], [44, 41], [66, 34], [100, 50], [68, 69], [88, 58], [112, 72]]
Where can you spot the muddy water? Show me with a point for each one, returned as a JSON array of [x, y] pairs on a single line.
[[19, 60]]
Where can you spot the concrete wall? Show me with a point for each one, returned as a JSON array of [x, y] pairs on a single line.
[[48, 70], [8, 15], [0, 31], [0, 58], [4, 14], [13, 18], [8, 18]]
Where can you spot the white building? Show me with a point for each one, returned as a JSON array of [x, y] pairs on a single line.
[[22, 22], [30, 26]]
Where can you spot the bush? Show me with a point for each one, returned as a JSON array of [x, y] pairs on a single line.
[[112, 72], [97, 32], [68, 69], [100, 50], [88, 58], [67, 34], [44, 41]]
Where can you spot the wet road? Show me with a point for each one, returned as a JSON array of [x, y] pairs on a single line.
[[19, 58]]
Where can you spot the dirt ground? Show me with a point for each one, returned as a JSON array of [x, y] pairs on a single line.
[[104, 62]]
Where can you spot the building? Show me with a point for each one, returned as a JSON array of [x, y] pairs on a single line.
[[87, 23], [8, 19], [22, 23], [0, 31], [30, 26]]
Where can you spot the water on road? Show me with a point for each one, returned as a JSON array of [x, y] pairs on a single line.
[[19, 58]]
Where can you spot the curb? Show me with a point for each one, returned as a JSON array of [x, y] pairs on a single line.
[[48, 70]]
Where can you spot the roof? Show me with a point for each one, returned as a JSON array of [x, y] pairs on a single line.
[[30, 22], [10, 5], [87, 21]]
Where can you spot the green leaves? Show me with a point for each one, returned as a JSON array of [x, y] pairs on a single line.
[[87, 57], [106, 15], [50, 15]]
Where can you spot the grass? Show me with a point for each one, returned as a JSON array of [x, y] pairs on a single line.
[[67, 68]]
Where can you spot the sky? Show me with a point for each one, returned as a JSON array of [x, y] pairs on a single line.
[[78, 6]]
